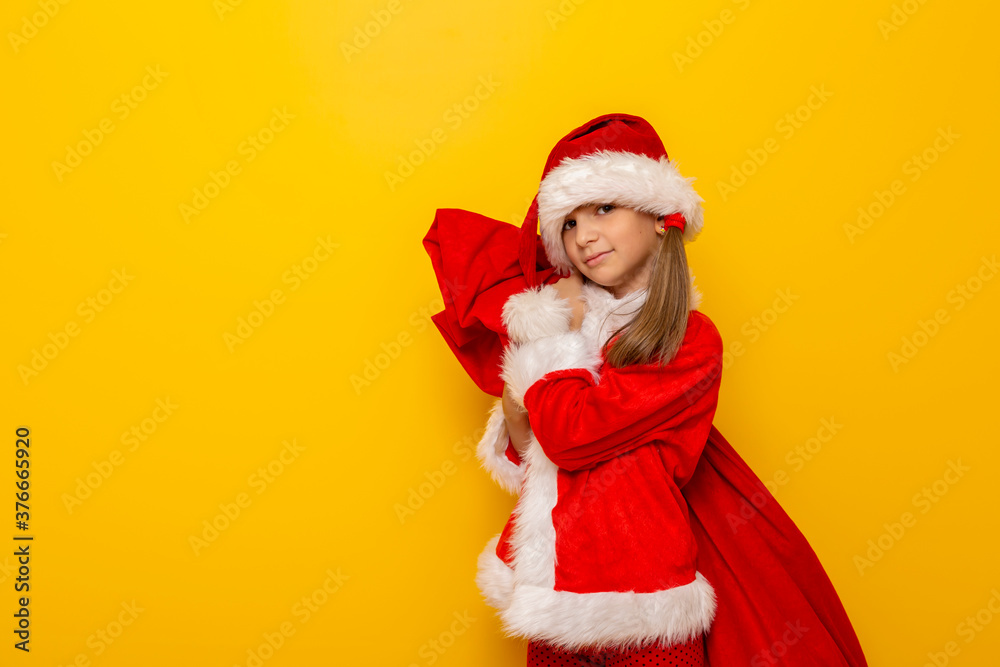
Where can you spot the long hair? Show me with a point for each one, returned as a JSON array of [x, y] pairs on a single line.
[[657, 330]]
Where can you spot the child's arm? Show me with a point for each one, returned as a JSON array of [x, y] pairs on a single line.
[[546, 311], [570, 289], [517, 424], [497, 453], [581, 419]]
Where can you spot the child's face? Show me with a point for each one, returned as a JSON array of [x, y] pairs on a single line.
[[620, 241]]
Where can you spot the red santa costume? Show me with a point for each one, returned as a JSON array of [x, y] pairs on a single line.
[[636, 523]]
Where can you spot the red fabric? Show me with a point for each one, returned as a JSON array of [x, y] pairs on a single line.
[[633, 440], [674, 220], [775, 601], [631, 406], [511, 453], [504, 551], [691, 654], [612, 131], [475, 260]]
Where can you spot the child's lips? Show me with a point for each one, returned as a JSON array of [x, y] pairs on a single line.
[[596, 259]]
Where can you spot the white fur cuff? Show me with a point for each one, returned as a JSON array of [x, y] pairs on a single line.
[[492, 452], [536, 312], [526, 364]]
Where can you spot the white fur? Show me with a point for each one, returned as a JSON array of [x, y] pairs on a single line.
[[694, 300], [615, 177], [527, 363], [605, 313], [535, 313], [525, 595], [623, 619], [492, 451], [533, 541], [494, 579], [525, 321], [530, 607]]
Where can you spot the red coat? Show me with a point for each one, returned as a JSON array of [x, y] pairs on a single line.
[[774, 601], [599, 551]]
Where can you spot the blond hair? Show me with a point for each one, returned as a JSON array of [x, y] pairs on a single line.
[[657, 330]]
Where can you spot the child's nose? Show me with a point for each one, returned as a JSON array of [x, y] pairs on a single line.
[[586, 230]]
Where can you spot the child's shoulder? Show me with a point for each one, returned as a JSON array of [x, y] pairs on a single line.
[[698, 318], [702, 328]]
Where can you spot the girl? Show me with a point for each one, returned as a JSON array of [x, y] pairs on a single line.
[[639, 537]]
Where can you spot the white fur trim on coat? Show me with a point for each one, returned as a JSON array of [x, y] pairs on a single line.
[[527, 363], [492, 452], [601, 303], [535, 313], [614, 177], [495, 583], [524, 594], [694, 300], [530, 607], [595, 620]]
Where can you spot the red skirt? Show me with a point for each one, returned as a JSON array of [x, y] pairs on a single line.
[[692, 654]]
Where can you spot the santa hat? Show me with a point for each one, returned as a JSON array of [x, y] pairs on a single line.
[[616, 158]]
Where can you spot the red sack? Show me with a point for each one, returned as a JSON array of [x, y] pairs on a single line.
[[776, 604], [476, 262]]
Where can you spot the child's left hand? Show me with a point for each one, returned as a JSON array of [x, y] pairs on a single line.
[[570, 288], [518, 425]]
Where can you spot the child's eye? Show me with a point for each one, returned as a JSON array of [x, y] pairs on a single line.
[[565, 227], [609, 207]]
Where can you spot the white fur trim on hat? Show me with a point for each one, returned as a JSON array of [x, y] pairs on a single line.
[[615, 177]]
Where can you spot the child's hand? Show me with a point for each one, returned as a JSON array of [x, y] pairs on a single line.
[[570, 288], [518, 425]]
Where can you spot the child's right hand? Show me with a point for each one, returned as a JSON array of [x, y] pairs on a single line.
[[570, 288]]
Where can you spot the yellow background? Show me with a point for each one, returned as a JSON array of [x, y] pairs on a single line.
[[360, 113]]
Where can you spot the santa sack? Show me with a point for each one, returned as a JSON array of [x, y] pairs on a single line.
[[776, 604]]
